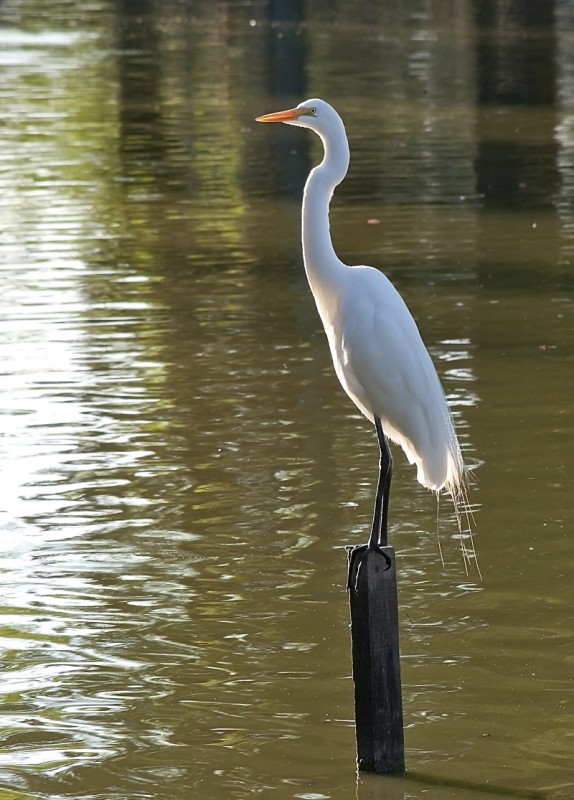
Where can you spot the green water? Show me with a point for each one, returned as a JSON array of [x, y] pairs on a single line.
[[181, 470]]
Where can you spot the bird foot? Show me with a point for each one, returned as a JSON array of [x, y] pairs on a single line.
[[362, 551]]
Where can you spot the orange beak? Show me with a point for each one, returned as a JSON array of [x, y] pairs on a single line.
[[282, 116]]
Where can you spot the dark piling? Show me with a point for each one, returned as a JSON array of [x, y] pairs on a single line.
[[376, 667]]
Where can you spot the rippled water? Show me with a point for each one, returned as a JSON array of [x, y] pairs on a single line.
[[181, 471]]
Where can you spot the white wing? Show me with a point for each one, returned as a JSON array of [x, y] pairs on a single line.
[[385, 368]]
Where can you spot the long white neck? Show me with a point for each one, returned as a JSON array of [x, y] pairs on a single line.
[[321, 262]]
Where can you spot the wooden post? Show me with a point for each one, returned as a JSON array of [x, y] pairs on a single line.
[[376, 666]]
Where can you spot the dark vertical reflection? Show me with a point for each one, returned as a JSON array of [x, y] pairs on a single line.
[[515, 68], [513, 52], [287, 50], [140, 76], [287, 85]]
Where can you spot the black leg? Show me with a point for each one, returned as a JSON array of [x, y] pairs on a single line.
[[381, 511], [378, 538]]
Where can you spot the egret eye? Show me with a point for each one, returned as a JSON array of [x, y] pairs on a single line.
[[313, 111]]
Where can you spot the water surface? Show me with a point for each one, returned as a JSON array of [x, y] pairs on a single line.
[[181, 470]]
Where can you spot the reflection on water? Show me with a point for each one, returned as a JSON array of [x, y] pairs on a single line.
[[181, 471]]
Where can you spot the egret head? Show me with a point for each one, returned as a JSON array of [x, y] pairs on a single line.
[[315, 114]]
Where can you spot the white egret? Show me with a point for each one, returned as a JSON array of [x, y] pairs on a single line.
[[378, 354]]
